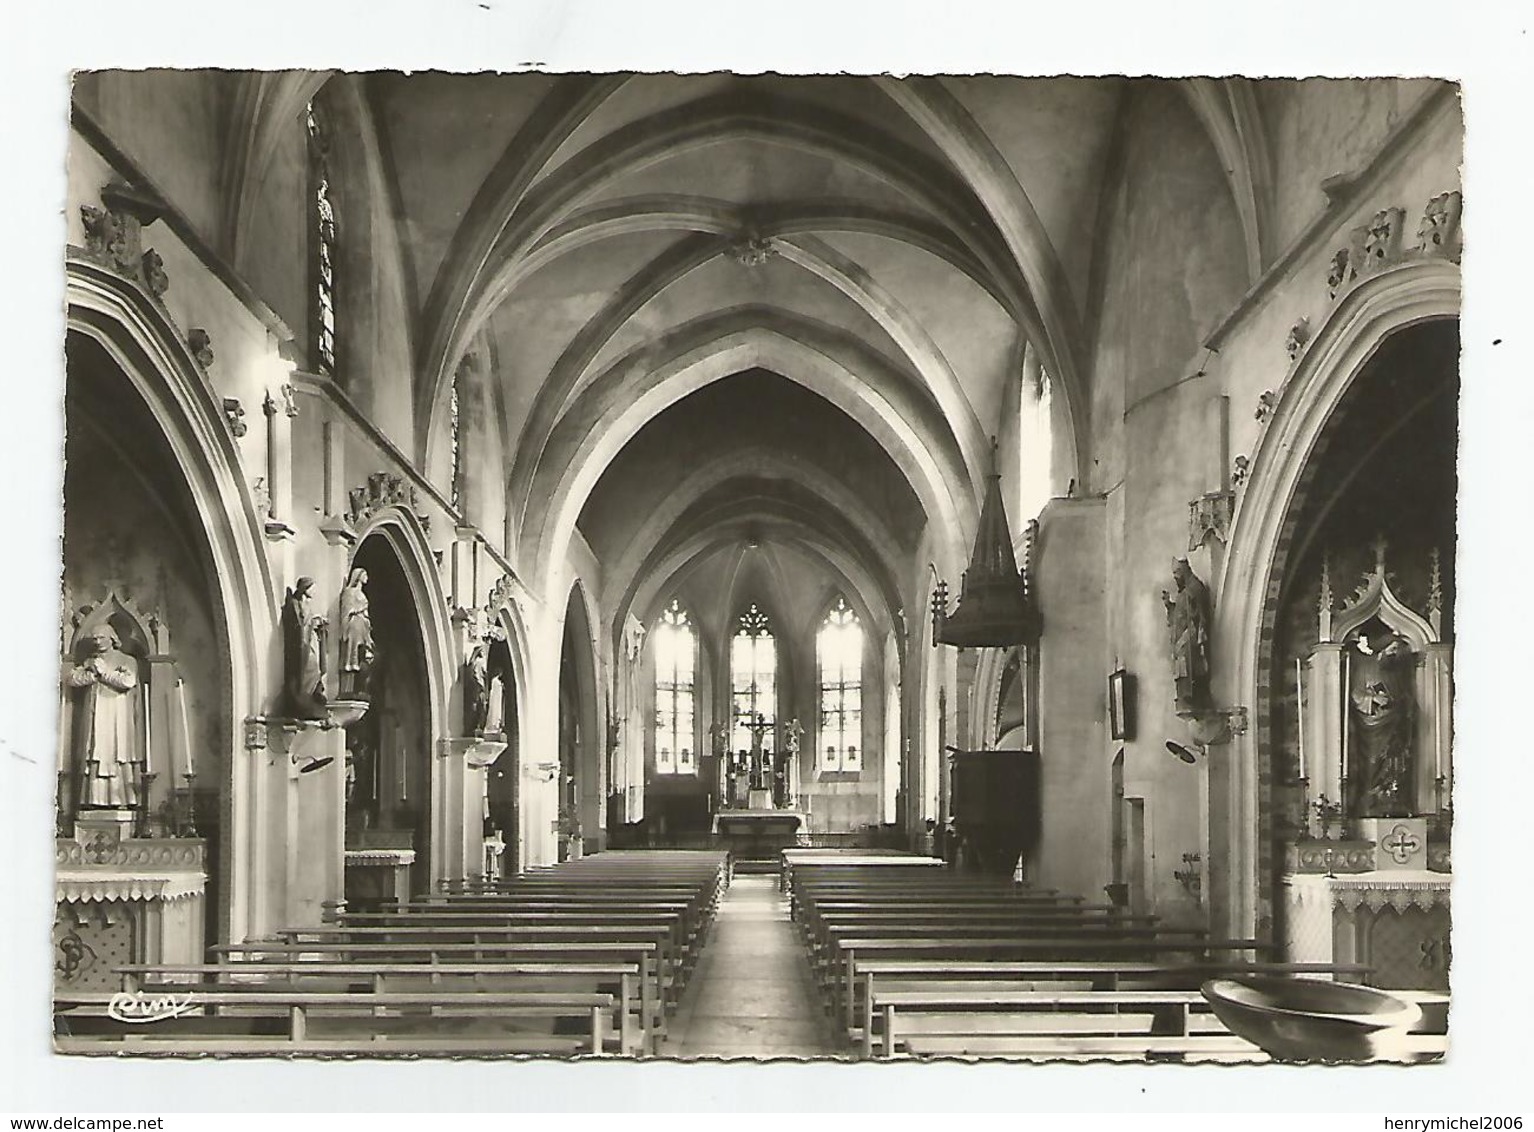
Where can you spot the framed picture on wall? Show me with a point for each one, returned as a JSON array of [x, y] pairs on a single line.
[[1121, 705]]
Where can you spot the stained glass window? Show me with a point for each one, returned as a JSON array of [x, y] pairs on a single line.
[[324, 242], [454, 438], [676, 658], [753, 681], [839, 653]]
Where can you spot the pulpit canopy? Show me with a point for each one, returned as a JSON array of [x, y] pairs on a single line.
[[995, 609]]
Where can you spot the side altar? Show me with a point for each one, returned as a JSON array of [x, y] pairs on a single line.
[[122, 899], [1368, 878], [130, 872]]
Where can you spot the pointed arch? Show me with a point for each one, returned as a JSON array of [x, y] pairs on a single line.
[[136, 333], [1414, 291]]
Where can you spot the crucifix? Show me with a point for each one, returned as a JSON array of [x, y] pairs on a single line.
[[761, 769]]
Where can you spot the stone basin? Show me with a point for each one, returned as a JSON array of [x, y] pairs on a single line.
[[1295, 1019]]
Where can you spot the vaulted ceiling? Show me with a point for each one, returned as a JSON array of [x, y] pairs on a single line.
[[611, 240], [636, 257]]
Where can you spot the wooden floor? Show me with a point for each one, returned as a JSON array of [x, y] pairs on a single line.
[[751, 996]]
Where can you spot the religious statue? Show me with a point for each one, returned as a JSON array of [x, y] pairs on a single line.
[[1382, 718], [106, 724], [303, 655], [476, 691], [1188, 615], [792, 731], [356, 636]]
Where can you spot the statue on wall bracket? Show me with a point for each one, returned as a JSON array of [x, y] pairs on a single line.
[[357, 649], [303, 655], [1188, 615]]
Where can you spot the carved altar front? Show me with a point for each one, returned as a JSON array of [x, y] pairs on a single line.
[[121, 899], [1395, 922]]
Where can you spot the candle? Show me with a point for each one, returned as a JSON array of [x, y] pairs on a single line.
[[399, 751], [1347, 706], [148, 728], [187, 762], [1299, 709]]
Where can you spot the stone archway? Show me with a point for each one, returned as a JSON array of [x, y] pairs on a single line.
[[152, 364], [582, 793], [1262, 531], [389, 776]]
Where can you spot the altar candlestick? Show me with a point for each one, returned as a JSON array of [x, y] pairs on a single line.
[[188, 767], [1299, 709]]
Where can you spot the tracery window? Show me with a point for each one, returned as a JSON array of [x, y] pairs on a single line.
[[323, 231], [676, 663], [753, 681], [839, 656]]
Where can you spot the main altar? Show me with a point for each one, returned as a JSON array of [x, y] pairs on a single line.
[[1367, 878], [758, 792]]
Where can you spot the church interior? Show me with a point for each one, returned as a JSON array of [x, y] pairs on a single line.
[[655, 565]]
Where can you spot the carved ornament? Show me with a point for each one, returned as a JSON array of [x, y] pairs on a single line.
[[114, 235], [234, 413], [752, 249], [1438, 233], [200, 342], [383, 489], [1299, 335], [1239, 469], [1209, 517]]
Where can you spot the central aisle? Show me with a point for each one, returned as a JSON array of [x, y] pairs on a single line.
[[751, 995]]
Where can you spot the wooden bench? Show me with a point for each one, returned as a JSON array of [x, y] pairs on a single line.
[[636, 1028], [654, 981], [839, 974], [234, 1021]]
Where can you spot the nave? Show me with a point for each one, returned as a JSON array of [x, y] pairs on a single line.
[[641, 954], [506, 516]]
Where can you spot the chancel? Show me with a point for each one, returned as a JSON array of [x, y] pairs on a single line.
[[509, 527]]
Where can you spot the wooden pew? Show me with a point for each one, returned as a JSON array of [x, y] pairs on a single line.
[[229, 1021], [428, 956], [839, 975], [877, 978], [634, 1028]]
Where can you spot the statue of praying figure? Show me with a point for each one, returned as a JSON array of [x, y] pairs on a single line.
[[106, 725], [1188, 616], [303, 655], [476, 691], [356, 636], [1382, 718]]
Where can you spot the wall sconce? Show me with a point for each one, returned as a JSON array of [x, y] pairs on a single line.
[[1182, 752], [1191, 876], [1121, 705]]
